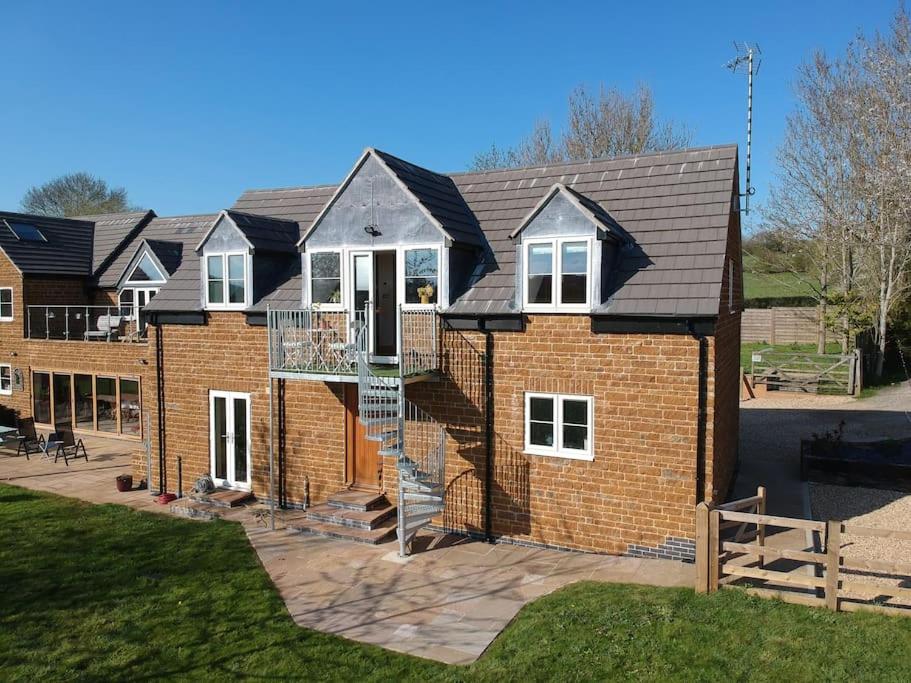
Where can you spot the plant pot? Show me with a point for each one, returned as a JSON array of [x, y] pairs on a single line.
[[124, 482]]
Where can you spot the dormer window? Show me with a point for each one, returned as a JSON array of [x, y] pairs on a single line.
[[422, 271], [558, 274], [326, 278], [226, 280]]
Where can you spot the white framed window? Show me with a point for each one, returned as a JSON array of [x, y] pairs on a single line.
[[558, 274], [559, 425], [326, 279], [146, 272], [133, 299], [6, 379], [421, 274], [226, 280], [6, 304]]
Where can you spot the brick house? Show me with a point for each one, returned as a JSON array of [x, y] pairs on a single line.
[[544, 355]]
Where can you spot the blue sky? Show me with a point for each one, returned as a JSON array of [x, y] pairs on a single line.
[[187, 104]]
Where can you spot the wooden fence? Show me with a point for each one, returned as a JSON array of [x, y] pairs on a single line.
[[780, 325], [831, 584]]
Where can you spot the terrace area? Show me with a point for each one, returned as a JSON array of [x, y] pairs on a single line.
[[86, 323], [322, 345]]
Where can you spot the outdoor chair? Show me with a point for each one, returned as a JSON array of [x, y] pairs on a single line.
[[29, 439], [107, 327], [67, 444]]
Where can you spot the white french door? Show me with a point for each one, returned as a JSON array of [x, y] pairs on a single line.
[[362, 289], [229, 438]]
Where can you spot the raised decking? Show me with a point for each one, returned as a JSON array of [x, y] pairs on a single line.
[[319, 345]]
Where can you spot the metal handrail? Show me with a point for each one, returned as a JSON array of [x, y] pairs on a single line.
[[311, 340], [83, 323]]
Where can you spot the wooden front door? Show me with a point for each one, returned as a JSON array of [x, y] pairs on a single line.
[[363, 461]]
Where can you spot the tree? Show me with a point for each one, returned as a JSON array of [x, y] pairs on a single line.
[[845, 176], [75, 194], [613, 124]]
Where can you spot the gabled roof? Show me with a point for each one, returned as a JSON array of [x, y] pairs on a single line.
[[435, 195], [113, 231], [147, 247], [260, 232], [67, 249], [674, 206], [593, 211]]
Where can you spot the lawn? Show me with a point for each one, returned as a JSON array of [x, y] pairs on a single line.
[[104, 592]]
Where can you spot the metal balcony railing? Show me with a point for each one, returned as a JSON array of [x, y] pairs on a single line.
[[85, 323], [316, 341]]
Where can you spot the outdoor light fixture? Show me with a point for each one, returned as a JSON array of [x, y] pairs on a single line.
[[372, 230]]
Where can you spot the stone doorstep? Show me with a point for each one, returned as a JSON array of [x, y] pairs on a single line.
[[385, 531], [360, 501], [223, 498], [193, 509], [356, 519]]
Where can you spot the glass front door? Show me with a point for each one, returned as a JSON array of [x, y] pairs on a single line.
[[362, 267], [229, 420]]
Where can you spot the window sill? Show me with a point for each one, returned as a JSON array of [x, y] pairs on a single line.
[[6, 320], [577, 310], [6, 393], [566, 455]]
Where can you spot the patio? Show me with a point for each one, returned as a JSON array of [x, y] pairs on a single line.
[[446, 602]]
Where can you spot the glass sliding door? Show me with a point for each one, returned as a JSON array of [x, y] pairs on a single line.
[[130, 423], [41, 393], [63, 398], [85, 401], [106, 404], [229, 438]]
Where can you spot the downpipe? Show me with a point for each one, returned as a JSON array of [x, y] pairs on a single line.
[[702, 408]]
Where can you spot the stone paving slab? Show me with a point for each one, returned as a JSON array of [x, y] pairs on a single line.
[[447, 602]]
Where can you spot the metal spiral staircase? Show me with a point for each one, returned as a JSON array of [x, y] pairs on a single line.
[[404, 431]]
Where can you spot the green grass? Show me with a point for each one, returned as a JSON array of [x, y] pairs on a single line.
[[774, 286], [107, 593]]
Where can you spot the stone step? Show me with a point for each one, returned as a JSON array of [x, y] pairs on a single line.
[[223, 498], [384, 532], [361, 501], [355, 519]]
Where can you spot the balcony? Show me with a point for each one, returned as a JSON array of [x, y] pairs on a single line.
[[85, 323], [316, 344]]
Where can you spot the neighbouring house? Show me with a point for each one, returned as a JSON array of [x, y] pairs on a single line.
[[544, 355]]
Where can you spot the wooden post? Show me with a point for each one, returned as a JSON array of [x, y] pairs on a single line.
[[714, 550], [702, 547], [760, 527], [833, 555]]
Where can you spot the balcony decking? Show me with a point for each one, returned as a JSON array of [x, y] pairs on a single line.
[[83, 323], [316, 345]]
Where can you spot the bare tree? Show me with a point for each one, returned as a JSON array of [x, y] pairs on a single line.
[[75, 194], [613, 124]]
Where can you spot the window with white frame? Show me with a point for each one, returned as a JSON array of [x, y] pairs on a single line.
[[422, 276], [6, 304], [558, 274], [326, 278], [6, 379], [558, 425], [226, 280]]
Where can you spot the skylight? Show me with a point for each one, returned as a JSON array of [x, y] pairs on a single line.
[[26, 232]]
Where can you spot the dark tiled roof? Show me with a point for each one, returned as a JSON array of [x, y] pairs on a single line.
[[67, 251], [675, 207], [112, 232], [267, 233], [173, 240], [438, 194], [284, 292]]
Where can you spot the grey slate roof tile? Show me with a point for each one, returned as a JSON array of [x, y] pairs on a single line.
[[675, 206], [66, 251]]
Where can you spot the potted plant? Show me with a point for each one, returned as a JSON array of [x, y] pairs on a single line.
[[124, 482]]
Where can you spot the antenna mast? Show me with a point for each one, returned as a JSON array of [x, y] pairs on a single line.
[[748, 60]]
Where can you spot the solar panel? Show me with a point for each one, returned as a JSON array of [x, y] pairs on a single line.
[[26, 232]]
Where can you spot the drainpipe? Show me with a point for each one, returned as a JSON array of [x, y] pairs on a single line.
[[271, 427], [702, 411], [488, 435], [159, 376]]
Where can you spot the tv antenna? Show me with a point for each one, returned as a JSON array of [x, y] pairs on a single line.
[[748, 60]]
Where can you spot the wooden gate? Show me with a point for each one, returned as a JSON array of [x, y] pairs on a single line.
[[824, 373], [724, 559]]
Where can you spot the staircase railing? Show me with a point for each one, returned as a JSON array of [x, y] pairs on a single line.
[[412, 436], [310, 340]]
